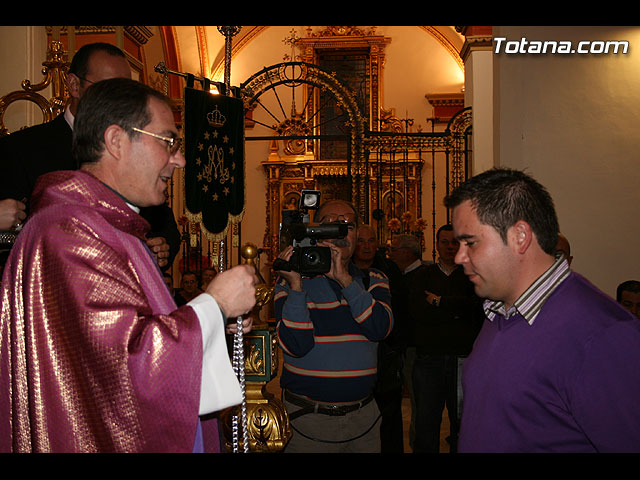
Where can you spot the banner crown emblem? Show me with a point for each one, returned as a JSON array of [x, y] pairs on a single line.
[[215, 118]]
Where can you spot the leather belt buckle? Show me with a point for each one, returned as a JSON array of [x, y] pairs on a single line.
[[335, 410], [323, 409]]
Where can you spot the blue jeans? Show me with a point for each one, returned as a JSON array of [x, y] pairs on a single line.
[[435, 384]]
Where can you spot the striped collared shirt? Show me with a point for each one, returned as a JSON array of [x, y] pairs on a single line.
[[532, 300]]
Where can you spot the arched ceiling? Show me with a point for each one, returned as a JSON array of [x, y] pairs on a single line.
[[201, 48]]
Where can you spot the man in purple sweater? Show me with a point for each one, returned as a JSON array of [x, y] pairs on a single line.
[[555, 367]]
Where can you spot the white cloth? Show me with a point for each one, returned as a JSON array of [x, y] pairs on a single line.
[[220, 388]]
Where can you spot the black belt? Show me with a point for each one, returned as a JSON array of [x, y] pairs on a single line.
[[309, 406]]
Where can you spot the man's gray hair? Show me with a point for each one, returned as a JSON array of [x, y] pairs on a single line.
[[410, 242]]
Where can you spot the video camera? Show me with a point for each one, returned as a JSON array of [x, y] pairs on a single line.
[[307, 259]]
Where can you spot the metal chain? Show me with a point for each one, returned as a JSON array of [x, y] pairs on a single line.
[[238, 367], [237, 362]]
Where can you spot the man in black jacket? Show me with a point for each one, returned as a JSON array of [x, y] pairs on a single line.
[[29, 153], [448, 317]]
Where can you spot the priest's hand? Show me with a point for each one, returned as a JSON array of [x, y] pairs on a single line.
[[160, 249], [12, 212], [232, 325], [234, 290]]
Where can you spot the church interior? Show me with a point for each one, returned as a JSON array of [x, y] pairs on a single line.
[[388, 117]]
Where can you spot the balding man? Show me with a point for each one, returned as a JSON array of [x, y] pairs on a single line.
[[329, 327]]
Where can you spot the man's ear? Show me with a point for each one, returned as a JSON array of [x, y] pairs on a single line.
[[73, 85], [115, 138], [521, 236]]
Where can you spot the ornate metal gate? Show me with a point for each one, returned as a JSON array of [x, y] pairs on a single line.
[[382, 171]]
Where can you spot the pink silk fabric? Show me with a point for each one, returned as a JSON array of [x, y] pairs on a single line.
[[94, 354]]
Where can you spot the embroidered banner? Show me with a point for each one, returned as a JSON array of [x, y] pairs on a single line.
[[214, 152]]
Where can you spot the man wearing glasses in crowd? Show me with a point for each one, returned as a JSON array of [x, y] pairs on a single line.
[[328, 327]]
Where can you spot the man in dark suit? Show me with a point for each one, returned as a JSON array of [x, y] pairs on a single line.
[[27, 154]]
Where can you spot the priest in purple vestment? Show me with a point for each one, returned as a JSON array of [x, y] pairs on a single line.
[[94, 354]]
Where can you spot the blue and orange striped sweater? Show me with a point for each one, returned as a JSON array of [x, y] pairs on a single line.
[[329, 335]]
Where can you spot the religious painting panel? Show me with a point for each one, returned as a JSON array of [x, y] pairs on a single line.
[[351, 68]]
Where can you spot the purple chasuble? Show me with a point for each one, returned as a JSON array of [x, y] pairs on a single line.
[[95, 356]]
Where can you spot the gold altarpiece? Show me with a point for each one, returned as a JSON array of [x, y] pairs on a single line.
[[371, 167]]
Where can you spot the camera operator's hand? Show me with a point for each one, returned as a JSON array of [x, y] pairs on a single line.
[[293, 278], [234, 290], [339, 265]]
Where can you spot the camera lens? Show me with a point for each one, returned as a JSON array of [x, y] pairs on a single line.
[[312, 257]]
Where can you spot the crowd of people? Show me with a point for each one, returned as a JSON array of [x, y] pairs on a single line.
[[99, 352], [525, 354]]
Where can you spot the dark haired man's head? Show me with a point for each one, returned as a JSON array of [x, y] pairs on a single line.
[[80, 64], [447, 245], [125, 135], [501, 197], [628, 295], [92, 63], [189, 282], [444, 228], [118, 101], [207, 275], [564, 247]]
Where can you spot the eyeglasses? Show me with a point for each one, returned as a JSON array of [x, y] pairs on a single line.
[[173, 143], [334, 218], [85, 79]]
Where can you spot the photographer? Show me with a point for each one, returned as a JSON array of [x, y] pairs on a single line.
[[328, 327]]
